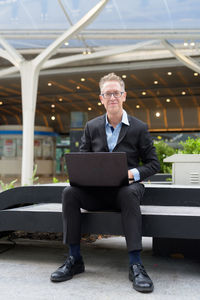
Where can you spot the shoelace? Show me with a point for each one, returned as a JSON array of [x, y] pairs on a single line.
[[142, 270], [68, 263]]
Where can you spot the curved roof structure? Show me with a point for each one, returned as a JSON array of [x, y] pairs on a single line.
[[153, 44], [126, 37]]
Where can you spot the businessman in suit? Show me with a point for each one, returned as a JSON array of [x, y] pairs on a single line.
[[113, 132]]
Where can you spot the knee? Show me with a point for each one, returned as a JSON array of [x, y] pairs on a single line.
[[69, 196], [127, 193], [128, 198]]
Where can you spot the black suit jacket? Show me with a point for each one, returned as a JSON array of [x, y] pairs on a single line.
[[134, 139]]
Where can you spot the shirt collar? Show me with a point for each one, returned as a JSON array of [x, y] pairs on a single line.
[[124, 119]]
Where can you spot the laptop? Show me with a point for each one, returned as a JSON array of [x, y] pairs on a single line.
[[97, 169]]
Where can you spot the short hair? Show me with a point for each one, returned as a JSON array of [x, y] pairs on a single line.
[[111, 77]]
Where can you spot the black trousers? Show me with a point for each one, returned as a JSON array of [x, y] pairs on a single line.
[[125, 199]]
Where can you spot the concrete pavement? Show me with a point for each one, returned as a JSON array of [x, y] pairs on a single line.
[[25, 271]]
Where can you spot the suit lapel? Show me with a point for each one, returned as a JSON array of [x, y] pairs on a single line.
[[102, 131], [122, 133]]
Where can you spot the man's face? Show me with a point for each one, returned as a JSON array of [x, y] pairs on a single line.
[[113, 97]]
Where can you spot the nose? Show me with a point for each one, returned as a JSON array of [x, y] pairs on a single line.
[[112, 96]]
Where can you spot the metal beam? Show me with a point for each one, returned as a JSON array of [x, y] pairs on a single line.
[[79, 37], [49, 51], [99, 54], [117, 67], [12, 54], [130, 34], [6, 55], [134, 59], [9, 71], [187, 61]]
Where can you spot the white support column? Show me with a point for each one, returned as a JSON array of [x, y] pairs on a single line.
[[29, 83], [29, 80]]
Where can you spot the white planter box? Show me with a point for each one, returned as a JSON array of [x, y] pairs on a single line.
[[185, 168]]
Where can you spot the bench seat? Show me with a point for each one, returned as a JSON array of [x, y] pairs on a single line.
[[170, 215], [158, 221]]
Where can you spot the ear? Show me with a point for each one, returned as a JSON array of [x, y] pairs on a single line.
[[124, 96], [101, 99]]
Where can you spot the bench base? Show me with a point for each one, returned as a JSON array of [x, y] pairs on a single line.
[[169, 246]]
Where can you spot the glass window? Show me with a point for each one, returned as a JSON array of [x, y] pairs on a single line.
[[9, 147], [47, 148]]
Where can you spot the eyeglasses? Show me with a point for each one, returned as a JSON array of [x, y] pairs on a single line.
[[116, 94]]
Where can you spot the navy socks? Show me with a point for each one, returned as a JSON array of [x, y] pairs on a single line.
[[134, 257], [74, 250]]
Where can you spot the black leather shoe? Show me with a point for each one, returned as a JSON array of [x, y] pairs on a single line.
[[141, 280], [68, 269]]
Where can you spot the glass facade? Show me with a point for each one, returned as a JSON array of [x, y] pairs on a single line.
[[50, 17], [11, 147], [11, 150]]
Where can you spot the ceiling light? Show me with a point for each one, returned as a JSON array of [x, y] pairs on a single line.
[[49, 84], [157, 114], [196, 74], [183, 93], [168, 100], [99, 103], [52, 105], [53, 118], [78, 87], [89, 108], [1, 102], [137, 106], [155, 82], [192, 44], [124, 76], [60, 99], [169, 73], [144, 93], [185, 44], [82, 79], [66, 43], [86, 52]]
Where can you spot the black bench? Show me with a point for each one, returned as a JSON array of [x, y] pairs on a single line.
[[168, 212]]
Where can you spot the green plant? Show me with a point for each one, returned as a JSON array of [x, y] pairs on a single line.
[[34, 177], [168, 179], [164, 150], [190, 146], [55, 180], [7, 186]]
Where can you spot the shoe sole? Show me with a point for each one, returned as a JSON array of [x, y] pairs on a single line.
[[65, 278], [142, 290]]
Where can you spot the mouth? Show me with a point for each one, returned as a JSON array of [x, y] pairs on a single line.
[[113, 103]]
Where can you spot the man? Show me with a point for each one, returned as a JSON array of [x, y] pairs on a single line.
[[114, 131]]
